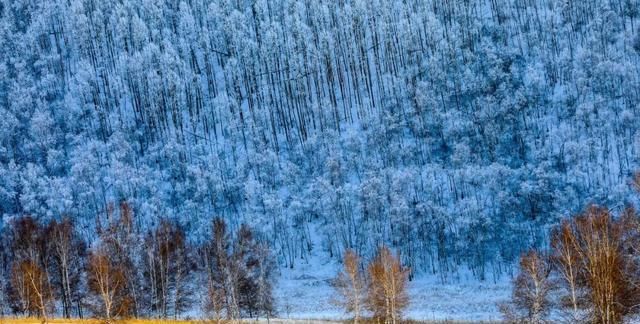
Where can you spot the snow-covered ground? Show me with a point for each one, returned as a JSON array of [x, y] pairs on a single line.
[[305, 293]]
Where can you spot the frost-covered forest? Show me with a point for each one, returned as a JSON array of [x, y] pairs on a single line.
[[454, 131]]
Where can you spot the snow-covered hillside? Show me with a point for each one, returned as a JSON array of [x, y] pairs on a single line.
[[456, 132]]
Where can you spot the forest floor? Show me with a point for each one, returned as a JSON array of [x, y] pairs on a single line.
[[305, 292]]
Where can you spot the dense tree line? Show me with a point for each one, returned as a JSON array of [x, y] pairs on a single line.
[[453, 131], [49, 270], [589, 273]]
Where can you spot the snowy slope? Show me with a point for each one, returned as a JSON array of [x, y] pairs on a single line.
[[304, 292]]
